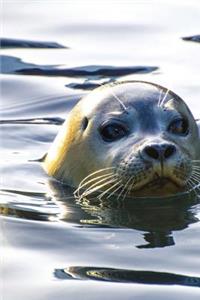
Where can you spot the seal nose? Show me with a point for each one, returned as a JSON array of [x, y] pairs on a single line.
[[159, 151]]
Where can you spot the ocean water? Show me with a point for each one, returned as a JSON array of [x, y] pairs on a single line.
[[52, 247]]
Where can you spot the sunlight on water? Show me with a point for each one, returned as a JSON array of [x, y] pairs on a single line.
[[54, 246]]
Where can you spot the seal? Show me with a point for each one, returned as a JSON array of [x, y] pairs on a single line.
[[128, 139]]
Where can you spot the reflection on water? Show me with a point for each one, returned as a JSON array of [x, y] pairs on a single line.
[[12, 65], [15, 43], [126, 276], [41, 82], [194, 38], [30, 205], [158, 218]]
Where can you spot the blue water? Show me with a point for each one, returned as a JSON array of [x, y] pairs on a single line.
[[52, 247]]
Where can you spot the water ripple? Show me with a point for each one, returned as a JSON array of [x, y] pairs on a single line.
[[126, 276], [16, 43]]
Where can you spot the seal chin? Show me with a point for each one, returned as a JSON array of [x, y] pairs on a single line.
[[160, 187], [162, 182]]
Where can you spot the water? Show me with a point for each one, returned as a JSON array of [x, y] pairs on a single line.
[[53, 247]]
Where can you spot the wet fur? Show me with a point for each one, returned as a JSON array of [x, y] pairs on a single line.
[[76, 152]]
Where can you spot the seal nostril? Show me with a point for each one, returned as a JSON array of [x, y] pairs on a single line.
[[152, 152], [160, 151], [169, 151]]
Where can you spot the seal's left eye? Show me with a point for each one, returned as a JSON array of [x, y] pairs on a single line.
[[112, 132], [179, 126]]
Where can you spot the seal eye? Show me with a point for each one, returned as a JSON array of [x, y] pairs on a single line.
[[112, 132], [179, 126]]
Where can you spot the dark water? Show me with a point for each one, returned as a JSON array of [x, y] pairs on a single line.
[[53, 247]]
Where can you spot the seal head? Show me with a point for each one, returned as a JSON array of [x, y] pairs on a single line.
[[129, 139]]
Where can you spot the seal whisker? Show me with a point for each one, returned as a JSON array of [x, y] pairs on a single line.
[[98, 187], [193, 174], [106, 191], [195, 188], [129, 188], [165, 96], [195, 182], [91, 188], [160, 97], [98, 171], [197, 170], [191, 183], [196, 174], [191, 188], [120, 186], [195, 185], [196, 167], [97, 183], [105, 176], [124, 189], [92, 174], [120, 102], [195, 178]]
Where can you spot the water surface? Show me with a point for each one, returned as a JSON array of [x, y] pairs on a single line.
[[53, 247]]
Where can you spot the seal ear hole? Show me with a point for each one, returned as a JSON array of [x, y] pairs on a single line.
[[85, 122]]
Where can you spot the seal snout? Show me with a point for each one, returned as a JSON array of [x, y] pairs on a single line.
[[158, 151], [157, 167]]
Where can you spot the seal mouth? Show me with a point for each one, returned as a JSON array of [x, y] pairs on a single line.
[[158, 187], [160, 182]]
